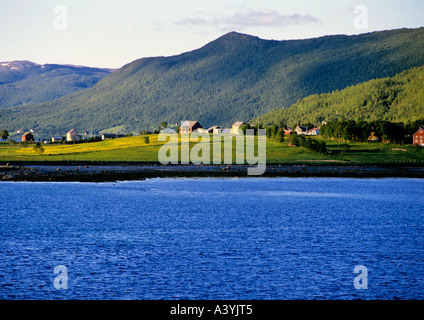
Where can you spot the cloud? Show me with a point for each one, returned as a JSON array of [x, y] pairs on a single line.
[[192, 21], [268, 19], [265, 18]]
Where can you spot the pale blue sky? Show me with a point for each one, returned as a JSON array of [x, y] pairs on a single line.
[[106, 33]]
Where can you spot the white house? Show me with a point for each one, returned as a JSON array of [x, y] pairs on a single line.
[[215, 129], [73, 135], [301, 130], [235, 129], [201, 131], [313, 132]]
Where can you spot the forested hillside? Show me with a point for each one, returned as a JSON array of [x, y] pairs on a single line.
[[397, 99], [25, 82], [234, 78]]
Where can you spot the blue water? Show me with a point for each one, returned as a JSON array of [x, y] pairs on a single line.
[[247, 238]]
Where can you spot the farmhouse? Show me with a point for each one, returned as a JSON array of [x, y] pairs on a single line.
[[73, 135], [373, 137], [288, 131], [201, 131], [419, 137], [57, 139], [215, 129], [313, 132], [301, 130], [235, 129], [189, 126], [112, 135], [27, 136]]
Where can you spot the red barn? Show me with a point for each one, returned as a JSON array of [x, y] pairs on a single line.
[[27, 136], [419, 137]]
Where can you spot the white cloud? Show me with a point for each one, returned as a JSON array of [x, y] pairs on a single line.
[[265, 18], [192, 21]]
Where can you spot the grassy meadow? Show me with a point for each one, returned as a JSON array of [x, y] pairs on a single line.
[[135, 149]]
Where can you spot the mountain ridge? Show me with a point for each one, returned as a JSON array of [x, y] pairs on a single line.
[[235, 77], [23, 81]]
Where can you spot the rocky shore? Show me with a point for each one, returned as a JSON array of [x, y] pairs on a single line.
[[124, 171]]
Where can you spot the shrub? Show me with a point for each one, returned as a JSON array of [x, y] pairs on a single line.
[[12, 142], [308, 143], [244, 127], [38, 148], [275, 133], [279, 136]]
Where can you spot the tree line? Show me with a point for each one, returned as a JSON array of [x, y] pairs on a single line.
[[362, 131]]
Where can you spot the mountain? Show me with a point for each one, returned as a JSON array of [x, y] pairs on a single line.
[[25, 82], [236, 77], [396, 99]]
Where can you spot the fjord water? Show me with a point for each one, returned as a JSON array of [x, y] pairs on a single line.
[[246, 238]]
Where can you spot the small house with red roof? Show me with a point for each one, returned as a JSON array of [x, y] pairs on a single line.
[[418, 138]]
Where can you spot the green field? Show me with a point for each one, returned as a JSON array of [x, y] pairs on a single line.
[[134, 149]]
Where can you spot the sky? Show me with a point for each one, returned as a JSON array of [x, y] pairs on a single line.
[[112, 33]]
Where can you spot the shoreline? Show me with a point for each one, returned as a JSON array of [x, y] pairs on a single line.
[[112, 172]]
